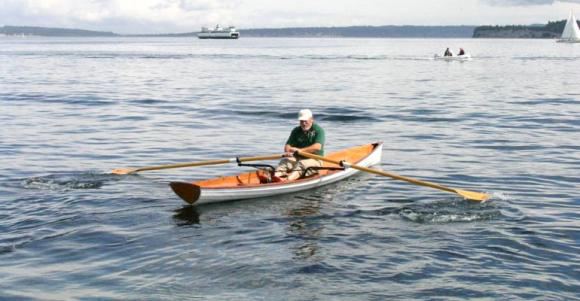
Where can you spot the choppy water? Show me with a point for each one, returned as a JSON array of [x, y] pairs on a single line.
[[506, 122]]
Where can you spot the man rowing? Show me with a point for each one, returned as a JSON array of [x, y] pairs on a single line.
[[307, 137]]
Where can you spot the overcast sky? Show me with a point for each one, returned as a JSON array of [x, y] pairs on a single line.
[[176, 16]]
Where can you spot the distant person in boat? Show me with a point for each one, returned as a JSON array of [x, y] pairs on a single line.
[[448, 52], [307, 137], [461, 51]]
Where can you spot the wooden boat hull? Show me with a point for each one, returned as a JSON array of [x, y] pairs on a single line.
[[247, 185]]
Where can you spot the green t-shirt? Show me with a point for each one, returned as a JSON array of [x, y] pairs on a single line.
[[301, 139]]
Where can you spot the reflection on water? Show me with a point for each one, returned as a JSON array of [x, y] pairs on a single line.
[[304, 229], [186, 216]]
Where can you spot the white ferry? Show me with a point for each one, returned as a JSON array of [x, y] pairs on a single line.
[[219, 33]]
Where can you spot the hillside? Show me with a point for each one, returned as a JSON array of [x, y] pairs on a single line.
[[52, 32], [351, 32], [365, 32], [549, 31]]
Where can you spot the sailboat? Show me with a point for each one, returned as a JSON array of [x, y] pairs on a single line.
[[571, 33]]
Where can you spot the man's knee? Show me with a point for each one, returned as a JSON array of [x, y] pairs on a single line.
[[309, 167]]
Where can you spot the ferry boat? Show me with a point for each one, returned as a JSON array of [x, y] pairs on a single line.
[[219, 32]]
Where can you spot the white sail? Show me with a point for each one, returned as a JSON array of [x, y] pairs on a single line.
[[571, 32]]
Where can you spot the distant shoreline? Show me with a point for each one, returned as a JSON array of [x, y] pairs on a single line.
[[548, 31], [551, 30], [315, 32]]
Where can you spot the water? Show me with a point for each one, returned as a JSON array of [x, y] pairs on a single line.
[[506, 123]]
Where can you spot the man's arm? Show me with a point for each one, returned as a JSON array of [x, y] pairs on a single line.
[[309, 149]]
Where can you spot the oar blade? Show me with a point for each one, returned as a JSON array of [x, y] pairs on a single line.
[[187, 191], [472, 195], [123, 171]]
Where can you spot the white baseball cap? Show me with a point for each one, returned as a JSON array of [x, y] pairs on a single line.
[[305, 114]]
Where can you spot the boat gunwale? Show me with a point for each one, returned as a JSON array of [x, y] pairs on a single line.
[[291, 183]]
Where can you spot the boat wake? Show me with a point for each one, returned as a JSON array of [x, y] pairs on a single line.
[[229, 56], [547, 58], [67, 181]]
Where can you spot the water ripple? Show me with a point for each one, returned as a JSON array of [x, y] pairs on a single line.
[[504, 123], [67, 181]]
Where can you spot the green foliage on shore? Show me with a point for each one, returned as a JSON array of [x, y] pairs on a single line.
[[52, 32], [550, 30]]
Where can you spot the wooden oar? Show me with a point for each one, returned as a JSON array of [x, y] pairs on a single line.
[[124, 171], [470, 195]]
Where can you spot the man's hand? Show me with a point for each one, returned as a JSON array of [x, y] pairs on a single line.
[[290, 150]]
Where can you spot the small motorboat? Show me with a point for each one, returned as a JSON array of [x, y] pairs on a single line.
[[462, 57], [248, 185]]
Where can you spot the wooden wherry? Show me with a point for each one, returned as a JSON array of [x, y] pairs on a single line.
[[336, 166], [247, 185]]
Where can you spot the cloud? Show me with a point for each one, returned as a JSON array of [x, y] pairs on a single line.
[[169, 16], [121, 16], [204, 5], [525, 2]]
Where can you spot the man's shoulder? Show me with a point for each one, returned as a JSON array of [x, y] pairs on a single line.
[[296, 129], [317, 127]]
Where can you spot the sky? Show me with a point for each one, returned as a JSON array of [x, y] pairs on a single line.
[[179, 16]]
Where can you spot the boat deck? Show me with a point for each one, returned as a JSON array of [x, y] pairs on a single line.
[[351, 155]]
